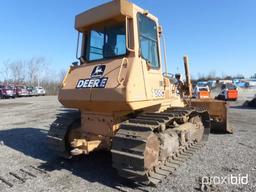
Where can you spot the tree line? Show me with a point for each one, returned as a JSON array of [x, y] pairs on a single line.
[[37, 72], [32, 72], [212, 76]]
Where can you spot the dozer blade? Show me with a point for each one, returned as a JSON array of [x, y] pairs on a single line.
[[218, 111]]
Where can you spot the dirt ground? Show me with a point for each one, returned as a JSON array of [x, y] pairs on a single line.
[[26, 164]]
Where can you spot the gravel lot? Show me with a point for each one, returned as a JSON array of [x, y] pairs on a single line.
[[24, 123]]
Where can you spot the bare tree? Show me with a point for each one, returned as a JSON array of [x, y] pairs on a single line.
[[36, 72], [62, 75], [253, 76], [6, 70], [211, 75], [238, 76], [17, 71], [35, 67]]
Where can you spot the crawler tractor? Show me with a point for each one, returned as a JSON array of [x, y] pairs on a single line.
[[124, 102]]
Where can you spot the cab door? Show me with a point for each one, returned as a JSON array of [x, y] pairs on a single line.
[[150, 56]]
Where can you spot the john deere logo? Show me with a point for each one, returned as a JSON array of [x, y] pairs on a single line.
[[98, 71], [96, 81]]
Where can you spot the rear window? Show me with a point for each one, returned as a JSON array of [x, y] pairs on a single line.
[[231, 87], [106, 42], [202, 84], [203, 89]]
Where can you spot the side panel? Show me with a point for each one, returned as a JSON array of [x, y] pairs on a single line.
[[86, 95]]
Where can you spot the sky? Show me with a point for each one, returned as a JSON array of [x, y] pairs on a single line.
[[217, 35]]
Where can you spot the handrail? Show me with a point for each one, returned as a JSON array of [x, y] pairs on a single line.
[[120, 81], [126, 34], [165, 55], [77, 44]]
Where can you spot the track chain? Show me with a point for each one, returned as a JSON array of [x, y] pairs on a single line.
[[58, 132], [129, 143]]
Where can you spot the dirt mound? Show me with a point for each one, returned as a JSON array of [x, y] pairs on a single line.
[[251, 103]]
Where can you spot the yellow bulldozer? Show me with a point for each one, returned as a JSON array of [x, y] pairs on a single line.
[[120, 99]]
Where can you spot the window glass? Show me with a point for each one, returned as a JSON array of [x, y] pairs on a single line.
[[148, 40], [107, 42], [223, 86], [96, 45], [231, 87]]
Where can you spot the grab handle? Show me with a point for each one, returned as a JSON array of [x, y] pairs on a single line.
[[119, 79], [127, 31]]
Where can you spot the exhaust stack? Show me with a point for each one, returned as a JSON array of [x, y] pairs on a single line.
[[188, 78]]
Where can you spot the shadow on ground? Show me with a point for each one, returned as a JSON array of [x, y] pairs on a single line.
[[96, 167]]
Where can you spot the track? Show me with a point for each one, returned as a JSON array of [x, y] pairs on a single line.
[[57, 135], [139, 149], [134, 151]]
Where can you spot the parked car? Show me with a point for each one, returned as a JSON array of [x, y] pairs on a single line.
[[13, 87], [7, 91], [21, 91], [40, 91], [31, 91]]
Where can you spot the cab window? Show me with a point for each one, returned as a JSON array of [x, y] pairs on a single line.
[[148, 40], [106, 42]]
